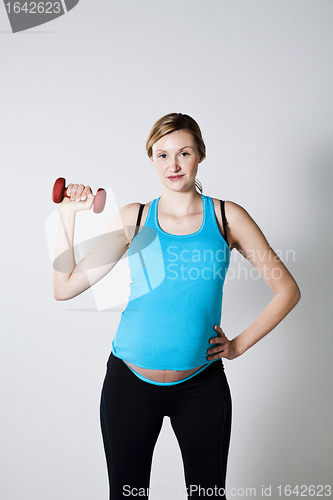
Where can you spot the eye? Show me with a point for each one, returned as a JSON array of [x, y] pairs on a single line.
[[163, 154], [184, 153]]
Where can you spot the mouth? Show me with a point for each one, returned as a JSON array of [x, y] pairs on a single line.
[[175, 177]]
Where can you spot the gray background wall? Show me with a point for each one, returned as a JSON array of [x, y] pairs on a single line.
[[78, 98]]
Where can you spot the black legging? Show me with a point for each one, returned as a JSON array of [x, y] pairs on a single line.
[[132, 412]]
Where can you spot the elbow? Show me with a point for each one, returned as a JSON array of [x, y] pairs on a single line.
[[292, 295], [58, 297], [295, 295], [64, 294], [60, 290]]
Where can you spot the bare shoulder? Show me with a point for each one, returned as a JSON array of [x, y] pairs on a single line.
[[235, 213], [129, 215], [236, 217], [229, 206], [244, 231]]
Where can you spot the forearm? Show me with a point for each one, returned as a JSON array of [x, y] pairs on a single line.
[[278, 308], [63, 251]]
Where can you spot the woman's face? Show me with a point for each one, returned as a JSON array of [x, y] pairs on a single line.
[[176, 154]]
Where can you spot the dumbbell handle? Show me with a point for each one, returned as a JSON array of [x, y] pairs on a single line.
[[60, 191]]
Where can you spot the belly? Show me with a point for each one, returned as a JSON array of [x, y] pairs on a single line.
[[163, 375]]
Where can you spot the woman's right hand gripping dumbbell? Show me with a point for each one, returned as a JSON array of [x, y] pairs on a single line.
[[80, 197]]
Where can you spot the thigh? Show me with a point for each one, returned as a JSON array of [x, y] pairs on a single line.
[[201, 418], [131, 419]]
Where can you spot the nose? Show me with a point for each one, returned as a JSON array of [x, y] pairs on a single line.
[[173, 164]]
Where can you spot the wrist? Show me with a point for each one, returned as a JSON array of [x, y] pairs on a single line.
[[239, 346], [67, 210]]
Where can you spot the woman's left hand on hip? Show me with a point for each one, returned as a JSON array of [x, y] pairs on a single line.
[[225, 349]]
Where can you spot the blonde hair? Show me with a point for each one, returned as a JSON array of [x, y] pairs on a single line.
[[170, 123]]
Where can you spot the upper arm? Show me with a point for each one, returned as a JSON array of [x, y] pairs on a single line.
[[110, 247], [246, 236]]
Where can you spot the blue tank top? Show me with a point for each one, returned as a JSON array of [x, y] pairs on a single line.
[[175, 294]]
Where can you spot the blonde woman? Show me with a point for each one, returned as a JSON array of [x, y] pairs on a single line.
[[167, 353]]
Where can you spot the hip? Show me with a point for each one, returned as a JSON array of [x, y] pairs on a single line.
[[117, 369]]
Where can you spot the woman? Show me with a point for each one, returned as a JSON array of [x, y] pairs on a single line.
[[166, 356]]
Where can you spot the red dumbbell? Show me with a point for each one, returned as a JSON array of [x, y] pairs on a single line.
[[59, 191]]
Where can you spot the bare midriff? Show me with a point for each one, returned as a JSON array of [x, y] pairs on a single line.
[[163, 375]]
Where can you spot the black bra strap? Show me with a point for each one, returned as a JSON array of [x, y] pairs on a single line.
[[138, 220], [224, 222]]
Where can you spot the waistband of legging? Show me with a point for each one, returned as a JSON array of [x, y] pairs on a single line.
[[209, 368]]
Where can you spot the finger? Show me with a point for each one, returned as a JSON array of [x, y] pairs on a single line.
[[220, 344], [218, 348], [219, 329], [86, 192], [73, 192], [216, 340], [216, 352], [218, 355], [69, 190], [79, 192]]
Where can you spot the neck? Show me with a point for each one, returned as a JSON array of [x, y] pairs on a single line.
[[180, 203]]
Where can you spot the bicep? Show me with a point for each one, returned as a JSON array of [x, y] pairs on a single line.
[[250, 241]]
